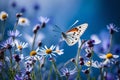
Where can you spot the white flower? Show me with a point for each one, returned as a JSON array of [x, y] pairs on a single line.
[[23, 21], [58, 51], [21, 45], [3, 15], [43, 19], [94, 64], [47, 51], [109, 58]]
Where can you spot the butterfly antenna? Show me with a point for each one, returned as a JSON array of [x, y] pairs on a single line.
[[56, 31], [58, 27], [74, 23]]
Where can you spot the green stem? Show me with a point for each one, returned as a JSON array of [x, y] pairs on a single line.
[[10, 57], [3, 29], [78, 53], [50, 72], [110, 43], [34, 40], [102, 74], [15, 26], [56, 70]]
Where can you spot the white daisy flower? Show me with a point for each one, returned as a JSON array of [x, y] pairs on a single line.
[[23, 21], [21, 45], [47, 51], [94, 64], [3, 16], [109, 58], [34, 55], [58, 51]]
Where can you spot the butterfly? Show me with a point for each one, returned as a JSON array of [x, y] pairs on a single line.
[[72, 36]]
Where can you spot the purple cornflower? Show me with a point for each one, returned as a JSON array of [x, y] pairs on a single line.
[[43, 20], [7, 44], [112, 28], [14, 34], [67, 72], [18, 58]]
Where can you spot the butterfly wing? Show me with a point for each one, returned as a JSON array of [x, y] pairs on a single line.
[[72, 36]]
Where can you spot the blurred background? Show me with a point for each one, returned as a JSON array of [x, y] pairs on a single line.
[[97, 13]]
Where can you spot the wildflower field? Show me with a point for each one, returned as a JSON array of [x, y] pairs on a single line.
[[59, 40]]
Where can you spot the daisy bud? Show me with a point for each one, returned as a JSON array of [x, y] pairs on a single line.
[[42, 65], [18, 15], [81, 62], [81, 59], [67, 74], [39, 44], [43, 25], [73, 60], [8, 46], [88, 55], [86, 71]]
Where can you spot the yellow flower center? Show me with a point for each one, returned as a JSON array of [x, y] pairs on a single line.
[[20, 47], [89, 63], [33, 53], [23, 20], [4, 16], [109, 56], [48, 51]]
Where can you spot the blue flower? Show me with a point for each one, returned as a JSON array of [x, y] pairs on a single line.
[[7, 44], [67, 72], [112, 28], [14, 34]]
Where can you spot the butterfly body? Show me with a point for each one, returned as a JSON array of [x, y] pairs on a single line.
[[73, 35]]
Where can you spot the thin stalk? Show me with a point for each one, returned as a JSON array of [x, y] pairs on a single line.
[[10, 57], [3, 29], [110, 43], [50, 72], [34, 40], [15, 26], [39, 69], [89, 78], [78, 53], [56, 70], [101, 72]]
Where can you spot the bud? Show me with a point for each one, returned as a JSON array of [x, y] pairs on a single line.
[[88, 55], [81, 62], [18, 15], [39, 44], [81, 59], [73, 60]]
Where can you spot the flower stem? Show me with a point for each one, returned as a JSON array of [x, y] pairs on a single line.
[[3, 29], [50, 72], [78, 53], [15, 26], [34, 41], [10, 57], [110, 43], [56, 70]]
